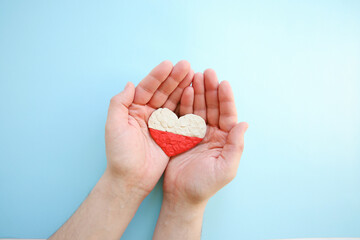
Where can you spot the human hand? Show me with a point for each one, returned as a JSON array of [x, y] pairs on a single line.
[[194, 176], [134, 159]]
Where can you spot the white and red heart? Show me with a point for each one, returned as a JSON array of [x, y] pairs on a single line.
[[176, 135]]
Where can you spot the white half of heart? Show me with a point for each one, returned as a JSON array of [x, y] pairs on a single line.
[[190, 125]]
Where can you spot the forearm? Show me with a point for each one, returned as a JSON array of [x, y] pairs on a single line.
[[179, 220], [105, 213]]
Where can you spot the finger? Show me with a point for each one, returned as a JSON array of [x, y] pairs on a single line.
[[179, 72], [175, 96], [177, 110], [199, 98], [228, 116], [147, 87], [211, 96], [233, 149], [187, 101], [119, 104]]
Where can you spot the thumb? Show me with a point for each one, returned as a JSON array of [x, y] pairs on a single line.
[[119, 104], [234, 146], [126, 97]]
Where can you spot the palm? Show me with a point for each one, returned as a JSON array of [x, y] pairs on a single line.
[[138, 116], [196, 170], [148, 158], [198, 173], [130, 150]]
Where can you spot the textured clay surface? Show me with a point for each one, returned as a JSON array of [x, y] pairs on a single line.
[[173, 144], [176, 135], [189, 125]]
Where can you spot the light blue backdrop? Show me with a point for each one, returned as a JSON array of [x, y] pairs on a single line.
[[295, 68]]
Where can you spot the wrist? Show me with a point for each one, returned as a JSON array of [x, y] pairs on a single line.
[[179, 219], [117, 188], [104, 214], [182, 209]]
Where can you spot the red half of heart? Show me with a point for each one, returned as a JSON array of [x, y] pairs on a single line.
[[173, 144]]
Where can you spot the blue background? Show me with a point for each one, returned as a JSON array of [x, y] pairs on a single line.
[[295, 69]]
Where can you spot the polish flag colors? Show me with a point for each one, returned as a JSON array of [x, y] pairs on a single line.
[[176, 135]]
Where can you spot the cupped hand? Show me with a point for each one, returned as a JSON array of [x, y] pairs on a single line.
[[194, 176], [133, 156]]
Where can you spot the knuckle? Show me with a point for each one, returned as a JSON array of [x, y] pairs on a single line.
[[107, 127], [115, 100], [241, 146]]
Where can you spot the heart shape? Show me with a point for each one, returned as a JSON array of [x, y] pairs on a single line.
[[176, 135]]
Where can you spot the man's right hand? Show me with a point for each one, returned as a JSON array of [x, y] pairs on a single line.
[[192, 177]]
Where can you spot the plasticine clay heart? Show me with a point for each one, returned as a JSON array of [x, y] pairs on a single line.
[[176, 135]]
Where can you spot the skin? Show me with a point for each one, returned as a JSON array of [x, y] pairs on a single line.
[[192, 177], [135, 162]]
